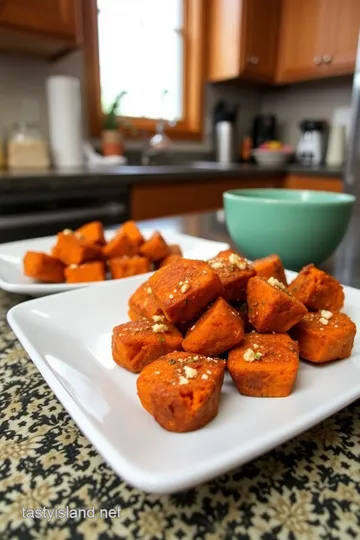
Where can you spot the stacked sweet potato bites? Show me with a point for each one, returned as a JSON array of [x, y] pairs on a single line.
[[192, 320], [84, 255]]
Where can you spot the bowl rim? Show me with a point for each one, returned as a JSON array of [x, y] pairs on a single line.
[[245, 195]]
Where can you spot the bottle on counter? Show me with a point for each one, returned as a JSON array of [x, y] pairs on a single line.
[[245, 150], [26, 148]]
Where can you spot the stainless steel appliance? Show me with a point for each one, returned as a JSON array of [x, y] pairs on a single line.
[[264, 129], [31, 212], [310, 149]]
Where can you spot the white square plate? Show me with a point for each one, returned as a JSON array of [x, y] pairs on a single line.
[[12, 278], [68, 336]]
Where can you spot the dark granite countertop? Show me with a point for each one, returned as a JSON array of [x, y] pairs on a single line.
[[134, 174]]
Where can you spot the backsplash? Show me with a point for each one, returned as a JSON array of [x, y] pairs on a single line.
[[314, 100], [23, 97]]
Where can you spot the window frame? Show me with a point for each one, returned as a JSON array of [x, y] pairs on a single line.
[[191, 126]]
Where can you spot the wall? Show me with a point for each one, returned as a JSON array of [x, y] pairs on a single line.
[[22, 87], [314, 100]]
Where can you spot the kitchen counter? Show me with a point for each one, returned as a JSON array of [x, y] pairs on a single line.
[[305, 488], [12, 181]]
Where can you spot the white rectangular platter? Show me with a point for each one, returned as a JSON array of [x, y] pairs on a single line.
[[12, 278], [68, 336]]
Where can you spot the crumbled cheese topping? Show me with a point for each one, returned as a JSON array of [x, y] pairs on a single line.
[[336, 326], [190, 372], [324, 321], [326, 314], [196, 357], [149, 291], [256, 346], [73, 266], [237, 261], [193, 327], [157, 372], [204, 271], [171, 296], [276, 283], [185, 287], [204, 376], [157, 328], [251, 356], [216, 265], [183, 380], [158, 318], [67, 231], [208, 372]]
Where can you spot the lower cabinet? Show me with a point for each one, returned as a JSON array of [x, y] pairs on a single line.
[[158, 199]]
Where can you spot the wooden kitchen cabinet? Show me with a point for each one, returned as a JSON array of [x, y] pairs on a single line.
[[243, 38], [45, 27], [317, 39], [316, 183]]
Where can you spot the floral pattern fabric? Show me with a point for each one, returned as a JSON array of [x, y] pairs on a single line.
[[308, 488]]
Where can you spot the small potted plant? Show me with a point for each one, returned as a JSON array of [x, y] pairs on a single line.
[[111, 136]]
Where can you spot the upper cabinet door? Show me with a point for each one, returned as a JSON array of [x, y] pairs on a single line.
[[261, 28], [301, 39], [340, 53], [55, 17], [243, 39]]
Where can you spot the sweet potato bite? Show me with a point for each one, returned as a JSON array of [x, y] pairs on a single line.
[[143, 302], [182, 391], [137, 343], [217, 330], [324, 336], [234, 272], [92, 232], [175, 249], [119, 246], [271, 307], [270, 266], [185, 288], [81, 273], [130, 229], [43, 267], [168, 259], [317, 289], [155, 248], [264, 365], [73, 250], [121, 267]]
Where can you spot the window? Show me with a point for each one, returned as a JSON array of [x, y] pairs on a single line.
[[152, 52]]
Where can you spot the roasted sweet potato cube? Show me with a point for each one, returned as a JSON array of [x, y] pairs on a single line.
[[137, 343], [175, 249], [182, 391], [185, 288], [270, 266], [81, 273], [72, 250], [271, 307], [264, 365], [43, 267], [119, 246], [92, 232], [317, 290], [130, 229], [133, 316], [143, 302], [324, 336], [217, 330], [155, 248], [168, 259], [234, 272], [121, 267]]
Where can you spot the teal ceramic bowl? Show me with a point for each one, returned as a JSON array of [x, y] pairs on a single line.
[[301, 226]]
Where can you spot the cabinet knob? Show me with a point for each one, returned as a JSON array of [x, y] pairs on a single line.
[[252, 60], [317, 60], [327, 58]]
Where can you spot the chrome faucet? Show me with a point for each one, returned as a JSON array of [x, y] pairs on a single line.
[[157, 145]]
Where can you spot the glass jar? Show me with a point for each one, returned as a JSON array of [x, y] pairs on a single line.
[[26, 148]]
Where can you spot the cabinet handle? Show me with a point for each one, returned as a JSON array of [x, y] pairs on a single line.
[[327, 58], [252, 60], [317, 60]]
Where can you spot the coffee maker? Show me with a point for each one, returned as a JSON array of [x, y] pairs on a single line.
[[310, 149]]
